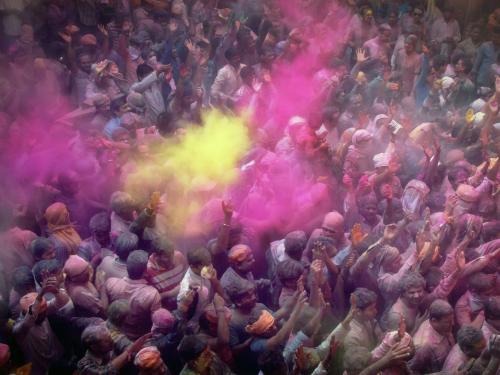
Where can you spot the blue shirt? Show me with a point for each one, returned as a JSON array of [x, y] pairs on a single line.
[[485, 58]]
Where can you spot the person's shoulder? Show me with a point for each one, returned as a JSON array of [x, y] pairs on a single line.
[[179, 257]]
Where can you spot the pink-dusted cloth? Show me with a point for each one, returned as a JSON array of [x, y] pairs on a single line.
[[466, 309], [455, 359], [110, 267], [85, 298], [75, 266], [143, 299], [427, 336]]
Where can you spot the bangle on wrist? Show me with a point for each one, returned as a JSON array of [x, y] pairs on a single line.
[[226, 225]]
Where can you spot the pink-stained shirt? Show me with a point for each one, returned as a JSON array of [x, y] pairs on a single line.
[[488, 330], [110, 267], [466, 311], [442, 30], [85, 299], [455, 359], [143, 299], [433, 345]]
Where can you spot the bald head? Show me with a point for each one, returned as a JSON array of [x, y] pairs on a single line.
[[333, 225]]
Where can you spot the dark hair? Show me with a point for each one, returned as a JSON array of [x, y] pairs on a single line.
[[137, 263], [492, 308], [468, 337], [117, 311], [289, 269], [270, 362], [247, 72], [166, 124], [4, 310], [199, 257], [143, 70], [125, 244], [162, 245], [238, 288], [433, 276], [364, 298], [439, 309], [480, 282], [191, 347], [439, 61], [122, 203], [295, 242], [22, 279], [51, 266], [100, 223], [231, 53], [92, 334], [40, 246], [412, 280]]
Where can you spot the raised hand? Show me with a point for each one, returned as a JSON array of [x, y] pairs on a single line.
[[357, 235], [138, 344], [361, 55], [103, 29], [154, 201], [227, 209], [332, 352], [209, 273], [397, 353], [300, 359], [66, 37], [218, 302], [189, 45], [402, 327], [460, 259]]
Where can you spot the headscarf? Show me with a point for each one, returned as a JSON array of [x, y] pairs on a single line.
[[381, 160], [238, 253], [88, 40], [75, 266], [264, 323], [162, 320], [148, 358], [60, 227], [361, 136]]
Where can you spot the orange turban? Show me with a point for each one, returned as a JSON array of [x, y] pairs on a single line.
[[148, 358], [238, 253], [264, 323]]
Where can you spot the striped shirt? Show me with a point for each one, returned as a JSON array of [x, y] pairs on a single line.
[[166, 279]]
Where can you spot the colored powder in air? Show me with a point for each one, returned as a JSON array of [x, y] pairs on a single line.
[[210, 153], [194, 169]]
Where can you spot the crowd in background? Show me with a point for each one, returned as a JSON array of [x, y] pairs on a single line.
[[387, 262]]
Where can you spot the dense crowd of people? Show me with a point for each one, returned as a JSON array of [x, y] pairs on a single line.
[[359, 236]]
